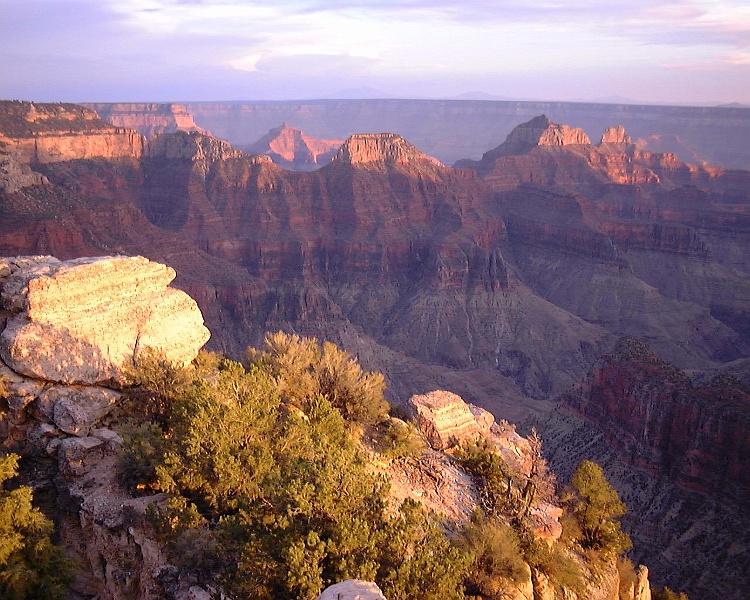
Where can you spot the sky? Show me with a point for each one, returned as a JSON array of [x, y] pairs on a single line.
[[647, 51]]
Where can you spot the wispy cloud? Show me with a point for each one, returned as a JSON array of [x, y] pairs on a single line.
[[265, 46]]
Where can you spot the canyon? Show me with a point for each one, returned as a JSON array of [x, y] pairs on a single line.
[[503, 280], [66, 424]]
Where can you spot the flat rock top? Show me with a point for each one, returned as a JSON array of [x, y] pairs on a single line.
[[439, 400], [388, 148], [27, 119], [45, 286]]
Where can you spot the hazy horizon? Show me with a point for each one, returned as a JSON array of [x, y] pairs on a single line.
[[685, 52]]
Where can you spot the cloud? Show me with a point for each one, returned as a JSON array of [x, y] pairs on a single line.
[[272, 47]]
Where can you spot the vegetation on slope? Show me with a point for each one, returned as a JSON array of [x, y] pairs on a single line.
[[502, 540], [270, 495], [269, 492]]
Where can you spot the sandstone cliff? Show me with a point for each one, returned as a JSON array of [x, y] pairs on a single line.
[[148, 119], [696, 435], [546, 153], [48, 133], [676, 450], [455, 129], [505, 295], [378, 151], [67, 432]]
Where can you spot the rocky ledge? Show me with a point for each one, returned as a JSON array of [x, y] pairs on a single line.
[[69, 330]]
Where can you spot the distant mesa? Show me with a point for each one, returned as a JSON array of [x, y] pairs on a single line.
[[375, 151], [615, 135], [148, 119], [540, 131], [44, 133], [292, 149], [542, 152]]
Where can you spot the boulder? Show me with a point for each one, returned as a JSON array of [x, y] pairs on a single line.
[[75, 454], [84, 320], [352, 589], [484, 418], [444, 419], [77, 409]]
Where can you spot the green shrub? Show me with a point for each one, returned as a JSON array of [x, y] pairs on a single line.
[[400, 439], [31, 567], [142, 453], [563, 572], [626, 572], [279, 503], [666, 593], [497, 565], [598, 508], [154, 383], [501, 486], [304, 369]]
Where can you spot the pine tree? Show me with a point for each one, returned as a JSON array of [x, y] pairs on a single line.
[[598, 509], [31, 567]]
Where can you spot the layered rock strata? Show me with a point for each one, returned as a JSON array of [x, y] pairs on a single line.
[[50, 133], [444, 419], [697, 435], [69, 322], [122, 307], [148, 119], [292, 149]]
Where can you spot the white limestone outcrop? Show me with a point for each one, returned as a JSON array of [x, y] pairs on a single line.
[[82, 321], [352, 589]]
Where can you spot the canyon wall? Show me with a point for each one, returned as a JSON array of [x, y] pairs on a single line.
[[148, 119], [676, 449], [46, 133], [504, 284]]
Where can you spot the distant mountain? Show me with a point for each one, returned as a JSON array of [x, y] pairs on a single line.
[[451, 130], [481, 96], [292, 149]]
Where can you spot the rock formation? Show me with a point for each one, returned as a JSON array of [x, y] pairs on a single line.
[[540, 131], [123, 307], [615, 135], [676, 450], [352, 589], [696, 435], [292, 149], [505, 288], [377, 151], [49, 133], [66, 323], [148, 119], [444, 419], [455, 129]]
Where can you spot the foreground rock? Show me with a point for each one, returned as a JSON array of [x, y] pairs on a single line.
[[352, 589], [82, 321], [444, 419]]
